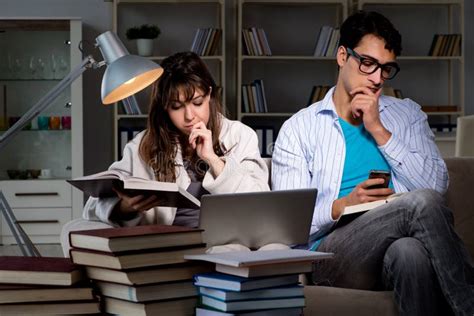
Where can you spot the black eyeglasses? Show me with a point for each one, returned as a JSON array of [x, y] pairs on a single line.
[[368, 65]]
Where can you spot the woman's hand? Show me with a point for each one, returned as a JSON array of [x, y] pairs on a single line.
[[200, 139], [129, 206]]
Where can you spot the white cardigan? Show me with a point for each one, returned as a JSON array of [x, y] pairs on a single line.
[[244, 171]]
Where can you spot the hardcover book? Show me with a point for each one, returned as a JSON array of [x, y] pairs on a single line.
[[102, 184], [13, 293], [289, 302], [363, 207], [38, 270], [51, 308], [134, 259], [139, 276], [182, 306], [135, 238], [235, 283], [203, 311], [274, 292], [150, 292]]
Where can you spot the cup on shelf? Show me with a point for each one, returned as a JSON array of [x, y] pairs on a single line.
[[54, 122], [43, 122], [66, 122], [45, 174]]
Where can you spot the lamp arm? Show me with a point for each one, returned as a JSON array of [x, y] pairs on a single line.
[[47, 99]]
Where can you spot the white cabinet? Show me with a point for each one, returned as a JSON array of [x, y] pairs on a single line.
[[36, 53]]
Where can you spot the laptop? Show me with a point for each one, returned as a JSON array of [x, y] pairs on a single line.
[[255, 219]]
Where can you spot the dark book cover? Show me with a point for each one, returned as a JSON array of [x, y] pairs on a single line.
[[124, 232], [36, 264]]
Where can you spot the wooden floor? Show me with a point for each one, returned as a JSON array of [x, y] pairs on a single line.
[[46, 250]]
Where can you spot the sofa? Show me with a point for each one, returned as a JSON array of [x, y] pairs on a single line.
[[322, 300]]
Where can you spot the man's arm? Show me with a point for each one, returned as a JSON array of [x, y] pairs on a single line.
[[416, 161]]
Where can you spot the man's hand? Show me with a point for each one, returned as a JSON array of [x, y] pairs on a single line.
[[365, 106], [362, 193]]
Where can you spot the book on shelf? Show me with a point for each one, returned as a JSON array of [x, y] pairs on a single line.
[[253, 97], [206, 41], [445, 45], [318, 93], [203, 311], [364, 207], [275, 292], [253, 304], [134, 259], [120, 239], [255, 42], [180, 306], [20, 293], [102, 184], [235, 283], [149, 292], [140, 276], [266, 140], [51, 308], [439, 108], [325, 36], [39, 270]]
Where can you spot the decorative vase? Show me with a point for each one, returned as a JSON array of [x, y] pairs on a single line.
[[145, 46]]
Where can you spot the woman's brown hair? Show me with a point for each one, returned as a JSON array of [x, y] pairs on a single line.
[[184, 73]]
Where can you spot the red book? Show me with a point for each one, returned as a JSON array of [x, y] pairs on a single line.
[[135, 238], [39, 270]]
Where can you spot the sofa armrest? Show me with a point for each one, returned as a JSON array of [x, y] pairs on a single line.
[[460, 198]]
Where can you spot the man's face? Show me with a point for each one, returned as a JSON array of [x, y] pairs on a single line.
[[351, 76]]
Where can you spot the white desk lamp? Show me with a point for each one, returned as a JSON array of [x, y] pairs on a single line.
[[125, 75]]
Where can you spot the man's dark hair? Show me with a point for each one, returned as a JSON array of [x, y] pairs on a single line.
[[361, 23]]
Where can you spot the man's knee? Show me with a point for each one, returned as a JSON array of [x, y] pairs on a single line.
[[429, 202], [409, 257]]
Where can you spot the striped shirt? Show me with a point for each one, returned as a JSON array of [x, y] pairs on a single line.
[[310, 152]]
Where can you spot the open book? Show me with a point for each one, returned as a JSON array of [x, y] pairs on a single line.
[[101, 185], [363, 207]]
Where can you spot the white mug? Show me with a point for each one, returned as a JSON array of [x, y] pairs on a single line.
[[45, 173]]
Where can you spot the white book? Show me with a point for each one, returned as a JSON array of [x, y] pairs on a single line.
[[363, 207], [253, 304], [102, 184], [257, 258]]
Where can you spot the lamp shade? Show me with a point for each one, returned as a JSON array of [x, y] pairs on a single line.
[[125, 74]]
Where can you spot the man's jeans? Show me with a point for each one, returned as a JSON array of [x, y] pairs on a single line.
[[408, 245]]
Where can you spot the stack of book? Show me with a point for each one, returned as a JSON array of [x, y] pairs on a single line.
[[254, 282], [255, 42], [206, 41], [44, 285], [327, 43], [445, 45], [253, 97], [141, 270]]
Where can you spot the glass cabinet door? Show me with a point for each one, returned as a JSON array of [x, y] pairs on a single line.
[[34, 56]]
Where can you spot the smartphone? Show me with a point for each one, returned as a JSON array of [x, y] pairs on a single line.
[[384, 174]]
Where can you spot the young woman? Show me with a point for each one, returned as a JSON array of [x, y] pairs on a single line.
[[187, 141]]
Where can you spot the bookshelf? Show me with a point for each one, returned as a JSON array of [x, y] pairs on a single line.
[[178, 20], [292, 29], [429, 80]]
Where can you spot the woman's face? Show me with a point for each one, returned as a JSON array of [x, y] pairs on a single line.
[[185, 115]]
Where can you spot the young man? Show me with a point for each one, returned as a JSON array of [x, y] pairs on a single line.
[[408, 245]]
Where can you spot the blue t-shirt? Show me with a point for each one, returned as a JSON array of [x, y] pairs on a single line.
[[362, 155]]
